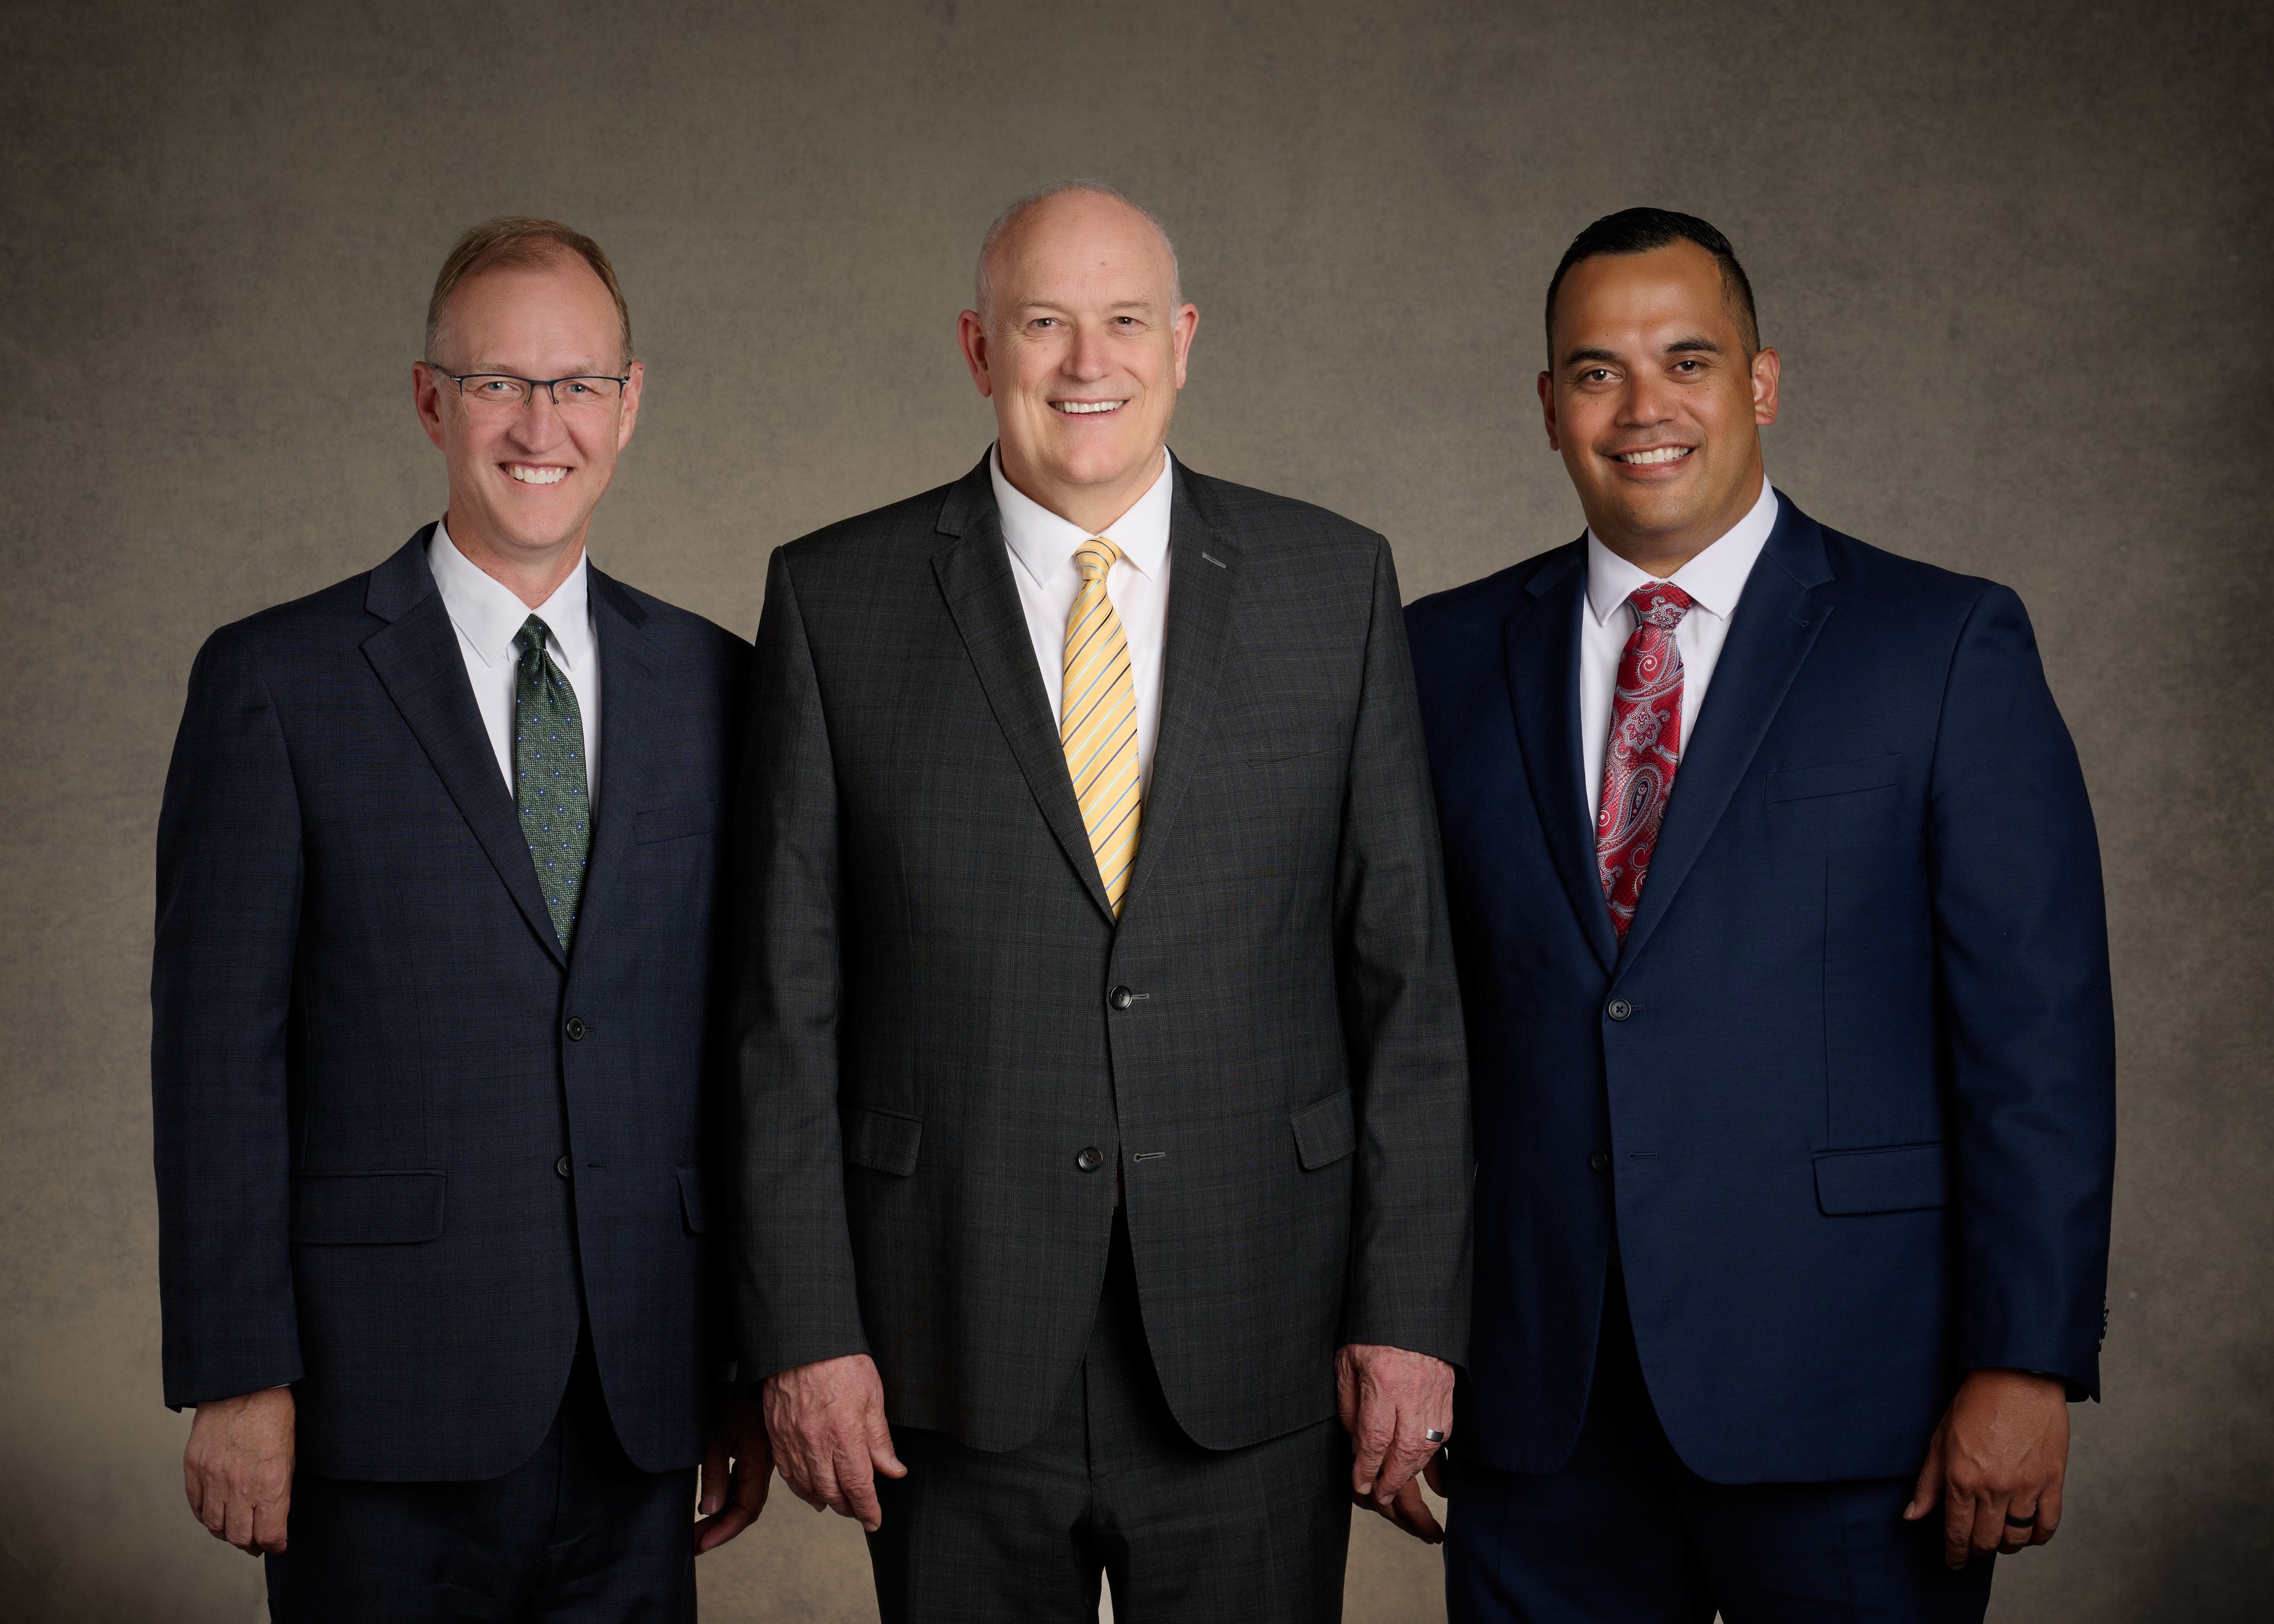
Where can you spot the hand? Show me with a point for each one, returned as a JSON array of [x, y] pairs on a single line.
[[827, 1423], [2001, 1454], [1388, 1398], [237, 1469], [733, 1496]]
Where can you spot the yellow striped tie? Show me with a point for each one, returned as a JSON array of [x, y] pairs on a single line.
[[1099, 729]]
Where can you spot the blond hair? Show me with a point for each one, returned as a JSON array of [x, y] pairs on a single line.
[[521, 242]]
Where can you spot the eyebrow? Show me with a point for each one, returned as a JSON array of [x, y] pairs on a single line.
[[1680, 346]]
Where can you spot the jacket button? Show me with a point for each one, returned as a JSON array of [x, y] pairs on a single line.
[[561, 1167], [1123, 997], [1618, 1009], [1090, 1160], [1601, 1161], [575, 1027]]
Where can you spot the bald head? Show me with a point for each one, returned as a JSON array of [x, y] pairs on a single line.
[[1087, 210]]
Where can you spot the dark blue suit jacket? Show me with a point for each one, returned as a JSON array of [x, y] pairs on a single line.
[[1846, 1096], [370, 1056]]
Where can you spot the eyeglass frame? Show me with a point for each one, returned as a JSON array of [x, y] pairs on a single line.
[[535, 384]]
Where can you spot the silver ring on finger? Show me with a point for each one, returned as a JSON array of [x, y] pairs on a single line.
[[1433, 1436]]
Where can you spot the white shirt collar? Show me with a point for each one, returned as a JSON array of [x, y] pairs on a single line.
[[489, 615], [1045, 543], [1715, 579]]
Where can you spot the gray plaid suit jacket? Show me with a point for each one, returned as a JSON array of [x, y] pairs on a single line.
[[939, 1015]]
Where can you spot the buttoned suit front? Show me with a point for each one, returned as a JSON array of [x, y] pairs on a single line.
[[413, 1152], [960, 1074]]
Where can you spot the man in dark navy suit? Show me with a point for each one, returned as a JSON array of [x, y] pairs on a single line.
[[432, 1057], [1788, 1017]]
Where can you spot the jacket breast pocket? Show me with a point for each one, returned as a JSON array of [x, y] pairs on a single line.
[[1891, 1178], [1324, 1132], [884, 1141], [1843, 803], [650, 824], [367, 1209]]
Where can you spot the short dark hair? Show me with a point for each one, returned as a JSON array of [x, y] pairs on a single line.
[[1638, 230]]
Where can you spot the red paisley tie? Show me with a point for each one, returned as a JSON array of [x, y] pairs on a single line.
[[1644, 748]]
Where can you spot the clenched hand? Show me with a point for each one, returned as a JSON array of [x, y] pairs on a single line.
[[1996, 1464], [827, 1423], [735, 1471], [237, 1469]]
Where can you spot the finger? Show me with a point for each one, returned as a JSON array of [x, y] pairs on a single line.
[[1412, 1513], [1346, 1392], [1434, 1471], [213, 1503], [193, 1487], [237, 1523], [2017, 1535], [1370, 1440], [268, 1526], [1408, 1453], [881, 1455], [856, 1482], [714, 1479], [751, 1484], [2049, 1513], [1958, 1511], [1930, 1482], [713, 1531]]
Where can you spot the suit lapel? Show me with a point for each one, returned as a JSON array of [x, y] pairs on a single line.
[[974, 577], [632, 700], [1779, 616], [416, 656], [1203, 584], [1541, 649]]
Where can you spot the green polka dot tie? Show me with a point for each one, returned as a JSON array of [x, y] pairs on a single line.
[[548, 776]]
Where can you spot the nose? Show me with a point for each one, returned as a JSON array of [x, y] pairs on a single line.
[[1646, 399], [538, 427], [1087, 358]]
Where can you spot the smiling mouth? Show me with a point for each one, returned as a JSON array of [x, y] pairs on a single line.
[[1086, 408], [535, 473], [1657, 457]]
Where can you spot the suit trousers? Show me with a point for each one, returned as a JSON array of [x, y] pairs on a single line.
[[575, 1532], [1113, 1486], [1625, 1532]]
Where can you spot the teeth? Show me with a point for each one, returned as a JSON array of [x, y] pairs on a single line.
[[535, 475], [1083, 407], [1663, 454]]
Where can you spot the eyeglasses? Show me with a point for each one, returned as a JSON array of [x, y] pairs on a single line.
[[502, 394]]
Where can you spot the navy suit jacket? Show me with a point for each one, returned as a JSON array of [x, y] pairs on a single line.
[[404, 1144], [1846, 1094]]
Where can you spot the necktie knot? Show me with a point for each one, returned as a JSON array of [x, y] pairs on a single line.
[[1095, 557], [530, 638], [1660, 603]]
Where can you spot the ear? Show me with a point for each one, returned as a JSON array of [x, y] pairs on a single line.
[[629, 417], [1767, 367], [971, 336], [426, 400], [1547, 409], [1180, 335]]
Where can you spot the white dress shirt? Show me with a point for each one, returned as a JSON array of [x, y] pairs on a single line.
[[488, 617], [1043, 547], [1714, 580]]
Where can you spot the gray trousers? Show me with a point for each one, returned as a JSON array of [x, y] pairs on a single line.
[[1113, 1486]]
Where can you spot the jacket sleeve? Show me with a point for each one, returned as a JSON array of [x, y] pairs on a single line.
[[2022, 948], [1408, 1276], [796, 1296], [221, 997]]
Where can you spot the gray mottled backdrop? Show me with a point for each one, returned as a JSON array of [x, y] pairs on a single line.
[[2015, 256]]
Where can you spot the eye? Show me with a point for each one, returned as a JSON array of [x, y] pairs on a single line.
[[1596, 374], [1044, 322], [1686, 366]]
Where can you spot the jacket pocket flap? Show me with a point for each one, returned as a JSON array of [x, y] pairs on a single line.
[[885, 1141], [1839, 778], [653, 823], [366, 1209], [1901, 1178], [1326, 1131], [690, 1199]]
